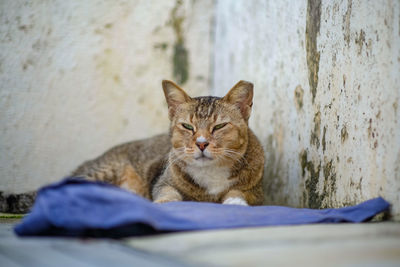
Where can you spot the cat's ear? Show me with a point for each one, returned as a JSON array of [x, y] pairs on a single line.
[[174, 95], [241, 95]]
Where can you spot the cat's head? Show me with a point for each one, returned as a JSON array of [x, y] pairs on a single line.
[[209, 130]]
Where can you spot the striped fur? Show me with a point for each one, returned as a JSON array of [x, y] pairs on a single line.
[[172, 167]]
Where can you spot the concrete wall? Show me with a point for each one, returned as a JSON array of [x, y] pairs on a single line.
[[77, 77], [327, 89]]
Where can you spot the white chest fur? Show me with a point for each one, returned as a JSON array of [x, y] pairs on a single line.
[[213, 179]]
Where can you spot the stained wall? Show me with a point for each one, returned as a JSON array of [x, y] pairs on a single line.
[[77, 77], [326, 77]]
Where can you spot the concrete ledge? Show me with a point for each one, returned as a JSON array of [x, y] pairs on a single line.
[[372, 244]]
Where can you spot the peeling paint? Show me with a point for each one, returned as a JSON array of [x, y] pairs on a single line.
[[360, 40], [343, 134], [370, 131], [298, 97], [324, 140], [311, 197], [315, 133], [303, 161], [346, 23], [311, 172], [348, 74], [329, 190], [344, 80], [313, 22]]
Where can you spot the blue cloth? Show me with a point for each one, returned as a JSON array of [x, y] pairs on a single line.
[[75, 207]]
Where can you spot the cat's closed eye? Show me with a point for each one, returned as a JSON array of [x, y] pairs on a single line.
[[188, 126], [219, 126]]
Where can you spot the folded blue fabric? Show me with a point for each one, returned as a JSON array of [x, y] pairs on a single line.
[[75, 207]]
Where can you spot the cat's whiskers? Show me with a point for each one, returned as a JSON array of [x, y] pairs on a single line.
[[189, 150], [235, 159], [181, 153], [242, 159], [232, 154], [226, 150], [175, 157], [223, 155]]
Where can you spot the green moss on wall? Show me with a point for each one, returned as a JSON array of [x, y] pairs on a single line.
[[180, 59], [312, 196], [315, 133], [313, 22]]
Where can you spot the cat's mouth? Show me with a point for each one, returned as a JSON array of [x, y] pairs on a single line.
[[203, 157]]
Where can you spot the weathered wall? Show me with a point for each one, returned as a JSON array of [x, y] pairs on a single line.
[[327, 92], [77, 77]]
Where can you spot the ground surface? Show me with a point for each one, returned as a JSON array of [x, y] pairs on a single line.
[[370, 244], [71, 252]]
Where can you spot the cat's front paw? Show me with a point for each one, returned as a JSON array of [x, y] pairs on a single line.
[[165, 200], [235, 201]]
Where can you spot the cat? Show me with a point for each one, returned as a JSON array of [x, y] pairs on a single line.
[[210, 154]]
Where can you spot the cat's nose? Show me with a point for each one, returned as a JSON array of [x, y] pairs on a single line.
[[201, 142], [202, 145]]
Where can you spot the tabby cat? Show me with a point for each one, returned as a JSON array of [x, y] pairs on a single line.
[[210, 154]]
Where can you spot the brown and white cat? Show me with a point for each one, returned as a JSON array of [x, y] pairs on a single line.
[[210, 154]]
